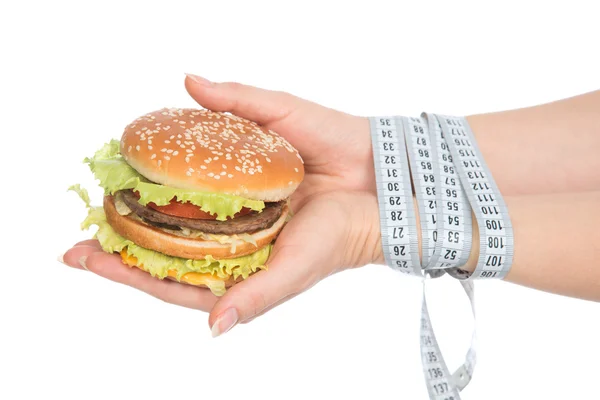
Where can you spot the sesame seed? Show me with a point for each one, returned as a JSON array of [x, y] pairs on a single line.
[[210, 174], [167, 158], [296, 169], [229, 176], [217, 177], [175, 152], [203, 166], [153, 156], [137, 147]]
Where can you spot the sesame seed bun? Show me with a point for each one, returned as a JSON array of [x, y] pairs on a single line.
[[214, 152], [157, 239]]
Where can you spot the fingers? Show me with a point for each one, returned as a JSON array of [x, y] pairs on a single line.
[[287, 275], [111, 267], [262, 106], [73, 255], [89, 255], [300, 259]]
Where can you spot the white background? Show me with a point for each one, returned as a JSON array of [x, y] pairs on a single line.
[[73, 74]]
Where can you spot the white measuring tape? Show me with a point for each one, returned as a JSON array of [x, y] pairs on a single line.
[[451, 182]]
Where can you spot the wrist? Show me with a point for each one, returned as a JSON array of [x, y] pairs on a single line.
[[364, 244]]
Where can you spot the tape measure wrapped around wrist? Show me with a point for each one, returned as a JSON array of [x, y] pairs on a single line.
[[451, 183]]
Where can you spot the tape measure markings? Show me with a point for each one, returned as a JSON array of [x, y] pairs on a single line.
[[496, 240], [455, 230], [423, 164], [397, 215], [447, 168]]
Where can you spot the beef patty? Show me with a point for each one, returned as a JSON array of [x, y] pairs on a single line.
[[245, 224]]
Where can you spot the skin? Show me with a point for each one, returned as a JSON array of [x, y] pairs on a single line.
[[552, 197]]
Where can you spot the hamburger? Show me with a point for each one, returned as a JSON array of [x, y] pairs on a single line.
[[193, 195]]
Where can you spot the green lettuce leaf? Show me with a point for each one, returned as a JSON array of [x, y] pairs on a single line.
[[158, 264], [114, 174]]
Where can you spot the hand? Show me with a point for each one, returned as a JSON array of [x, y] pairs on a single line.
[[336, 147], [336, 224]]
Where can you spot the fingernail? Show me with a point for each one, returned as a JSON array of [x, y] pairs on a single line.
[[82, 262], [61, 259], [200, 80], [225, 322]]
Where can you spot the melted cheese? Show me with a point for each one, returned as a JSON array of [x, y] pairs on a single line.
[[192, 278]]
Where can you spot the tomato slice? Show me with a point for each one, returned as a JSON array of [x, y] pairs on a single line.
[[188, 210]]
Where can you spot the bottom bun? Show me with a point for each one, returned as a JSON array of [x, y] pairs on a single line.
[[156, 239]]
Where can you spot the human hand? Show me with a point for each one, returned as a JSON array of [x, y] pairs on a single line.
[[336, 225], [336, 147], [330, 232]]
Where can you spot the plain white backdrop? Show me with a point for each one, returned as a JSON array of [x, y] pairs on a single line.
[[73, 74]]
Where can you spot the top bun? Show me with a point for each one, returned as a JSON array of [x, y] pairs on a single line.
[[212, 152]]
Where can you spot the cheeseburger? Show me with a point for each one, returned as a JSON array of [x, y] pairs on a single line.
[[193, 195]]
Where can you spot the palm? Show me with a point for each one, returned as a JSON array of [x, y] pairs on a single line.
[[319, 241], [323, 223]]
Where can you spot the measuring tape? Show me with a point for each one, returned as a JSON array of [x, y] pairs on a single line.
[[451, 184]]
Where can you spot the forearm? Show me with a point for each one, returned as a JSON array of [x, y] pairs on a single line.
[[557, 243], [549, 148]]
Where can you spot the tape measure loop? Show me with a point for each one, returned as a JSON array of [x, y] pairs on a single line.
[[451, 183]]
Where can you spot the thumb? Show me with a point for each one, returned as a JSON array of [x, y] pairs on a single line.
[[299, 260], [259, 105], [291, 271]]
